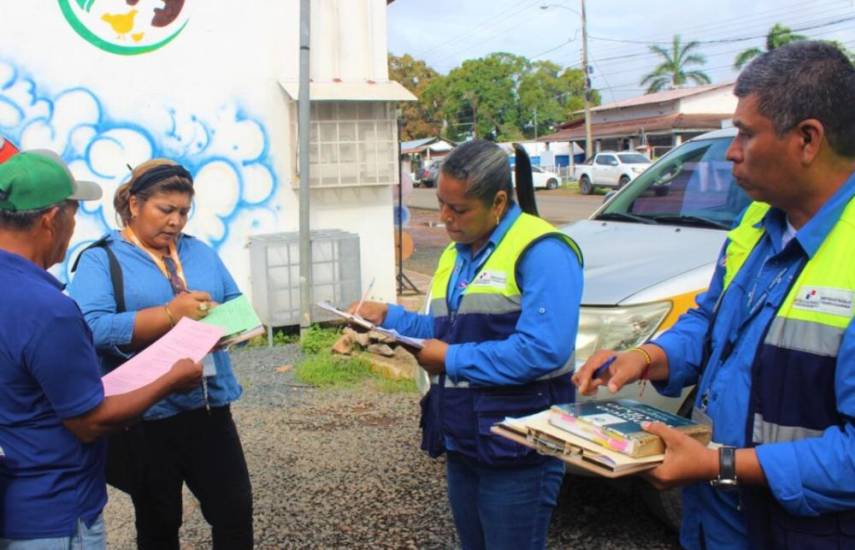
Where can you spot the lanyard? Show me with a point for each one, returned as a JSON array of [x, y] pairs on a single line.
[[461, 283], [753, 308], [128, 233]]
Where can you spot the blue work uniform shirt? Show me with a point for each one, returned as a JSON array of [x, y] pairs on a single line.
[[145, 287], [807, 477], [550, 277], [49, 479]]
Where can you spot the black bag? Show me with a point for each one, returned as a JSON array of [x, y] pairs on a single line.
[[125, 449]]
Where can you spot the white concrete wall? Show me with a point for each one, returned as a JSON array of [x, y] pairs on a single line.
[[209, 99], [714, 101]]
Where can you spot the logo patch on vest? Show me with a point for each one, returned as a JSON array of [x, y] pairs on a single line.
[[833, 301], [493, 279]]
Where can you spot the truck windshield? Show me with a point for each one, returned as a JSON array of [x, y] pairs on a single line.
[[633, 158], [692, 185]]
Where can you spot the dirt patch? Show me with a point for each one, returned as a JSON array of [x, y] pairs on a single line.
[[429, 240]]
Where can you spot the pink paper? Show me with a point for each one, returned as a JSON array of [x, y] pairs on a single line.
[[188, 339]]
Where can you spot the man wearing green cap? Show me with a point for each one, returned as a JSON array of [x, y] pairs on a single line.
[[52, 403]]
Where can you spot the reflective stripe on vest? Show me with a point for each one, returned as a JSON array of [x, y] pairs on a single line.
[[805, 333], [494, 291]]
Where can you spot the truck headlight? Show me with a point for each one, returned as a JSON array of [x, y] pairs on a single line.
[[637, 169], [617, 328]]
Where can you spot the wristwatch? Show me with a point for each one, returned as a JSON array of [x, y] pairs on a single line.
[[726, 479]]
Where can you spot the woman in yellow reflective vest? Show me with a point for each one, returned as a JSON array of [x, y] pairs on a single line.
[[500, 337]]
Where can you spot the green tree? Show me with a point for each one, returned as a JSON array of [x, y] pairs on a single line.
[[548, 96], [674, 70], [419, 116], [505, 97], [479, 98], [778, 36]]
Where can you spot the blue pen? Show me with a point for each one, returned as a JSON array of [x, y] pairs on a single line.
[[601, 370]]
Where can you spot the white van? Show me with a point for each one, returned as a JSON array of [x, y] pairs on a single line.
[[649, 250], [652, 246]]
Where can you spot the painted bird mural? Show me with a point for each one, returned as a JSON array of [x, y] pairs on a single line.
[[122, 23]]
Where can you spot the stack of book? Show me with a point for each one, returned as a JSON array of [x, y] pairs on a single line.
[[604, 437], [616, 425]]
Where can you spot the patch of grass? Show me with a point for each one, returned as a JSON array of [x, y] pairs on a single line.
[[281, 337], [317, 339], [323, 369], [402, 385], [326, 370]]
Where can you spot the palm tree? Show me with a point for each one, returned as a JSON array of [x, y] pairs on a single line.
[[778, 36], [673, 72]]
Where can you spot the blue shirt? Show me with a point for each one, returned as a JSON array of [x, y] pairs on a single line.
[[49, 479], [145, 287], [807, 477], [550, 277]]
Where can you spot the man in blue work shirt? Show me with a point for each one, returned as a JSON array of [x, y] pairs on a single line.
[[52, 404], [772, 343]]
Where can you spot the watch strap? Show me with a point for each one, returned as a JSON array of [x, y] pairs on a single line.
[[726, 469], [727, 462]]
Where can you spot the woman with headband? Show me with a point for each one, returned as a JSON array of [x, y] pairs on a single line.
[[133, 286]]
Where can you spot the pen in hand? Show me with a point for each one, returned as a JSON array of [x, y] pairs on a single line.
[[364, 296], [601, 370]]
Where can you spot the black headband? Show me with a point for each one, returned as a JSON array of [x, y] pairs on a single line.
[[158, 174]]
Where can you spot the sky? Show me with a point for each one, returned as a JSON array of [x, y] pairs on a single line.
[[444, 33]]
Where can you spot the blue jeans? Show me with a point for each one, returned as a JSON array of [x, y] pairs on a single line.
[[93, 537], [502, 507]]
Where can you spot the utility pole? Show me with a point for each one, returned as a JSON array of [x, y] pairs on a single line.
[[589, 146], [535, 124], [303, 131]]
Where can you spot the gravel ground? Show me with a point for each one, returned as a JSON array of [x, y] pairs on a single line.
[[342, 469]]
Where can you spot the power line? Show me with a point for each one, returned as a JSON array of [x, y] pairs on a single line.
[[502, 17], [741, 23], [727, 40]]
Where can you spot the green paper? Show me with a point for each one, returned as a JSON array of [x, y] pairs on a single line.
[[233, 316]]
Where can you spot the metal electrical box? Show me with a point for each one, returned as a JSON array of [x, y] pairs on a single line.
[[275, 274]]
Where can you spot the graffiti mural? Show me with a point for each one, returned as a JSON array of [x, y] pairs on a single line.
[[227, 152], [126, 27]]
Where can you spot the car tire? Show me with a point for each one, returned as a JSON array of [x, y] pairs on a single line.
[[667, 505], [623, 181], [585, 186], [551, 183]]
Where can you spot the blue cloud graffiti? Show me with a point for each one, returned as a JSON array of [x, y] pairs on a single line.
[[227, 151]]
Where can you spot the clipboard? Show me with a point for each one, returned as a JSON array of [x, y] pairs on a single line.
[[407, 341], [536, 433], [570, 454]]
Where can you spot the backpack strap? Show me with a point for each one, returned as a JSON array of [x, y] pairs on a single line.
[[115, 270]]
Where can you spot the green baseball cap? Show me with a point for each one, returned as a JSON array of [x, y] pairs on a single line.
[[31, 180]]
